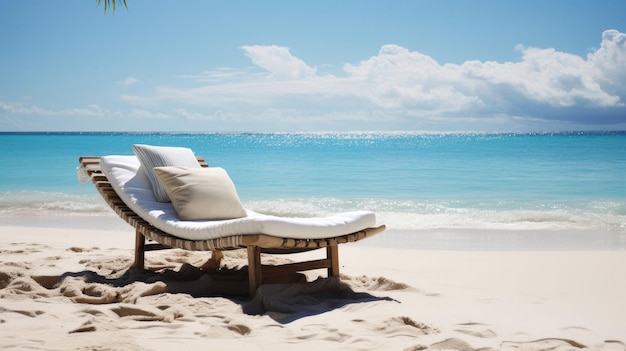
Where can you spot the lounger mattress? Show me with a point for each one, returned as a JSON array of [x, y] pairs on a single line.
[[132, 185]]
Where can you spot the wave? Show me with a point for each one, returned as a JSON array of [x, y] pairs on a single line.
[[396, 214], [410, 215], [41, 203]]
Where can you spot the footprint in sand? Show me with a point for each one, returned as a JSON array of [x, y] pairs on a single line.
[[10, 271], [239, 329], [22, 312], [81, 292], [226, 331], [108, 264], [400, 326], [416, 348], [26, 248], [452, 344], [132, 292], [13, 252], [542, 344], [81, 249], [374, 283], [560, 344], [47, 281], [24, 286], [137, 313], [87, 327], [476, 329], [614, 345], [322, 332], [98, 311], [7, 277]]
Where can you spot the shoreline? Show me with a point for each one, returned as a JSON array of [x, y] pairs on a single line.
[[453, 239]]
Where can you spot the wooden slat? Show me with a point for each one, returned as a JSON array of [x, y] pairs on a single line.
[[156, 247], [287, 268]]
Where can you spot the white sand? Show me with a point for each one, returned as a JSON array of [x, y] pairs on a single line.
[[70, 289]]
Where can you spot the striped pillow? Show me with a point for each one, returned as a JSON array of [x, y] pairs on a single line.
[[162, 156]]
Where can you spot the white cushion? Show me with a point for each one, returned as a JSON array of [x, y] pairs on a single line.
[[134, 189], [200, 193], [161, 156]]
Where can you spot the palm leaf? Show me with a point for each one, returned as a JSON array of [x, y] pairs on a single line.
[[112, 4]]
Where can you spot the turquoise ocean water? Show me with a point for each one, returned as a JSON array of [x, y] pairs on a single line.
[[450, 184]]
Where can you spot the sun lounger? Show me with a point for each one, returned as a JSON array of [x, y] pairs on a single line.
[[126, 188]]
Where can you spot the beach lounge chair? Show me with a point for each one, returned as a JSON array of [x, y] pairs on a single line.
[[125, 185]]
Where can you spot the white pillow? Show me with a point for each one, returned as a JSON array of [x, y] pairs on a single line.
[[160, 156], [201, 193]]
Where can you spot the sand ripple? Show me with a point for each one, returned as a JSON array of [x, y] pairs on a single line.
[[104, 304]]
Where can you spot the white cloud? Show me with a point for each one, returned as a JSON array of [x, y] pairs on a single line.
[[21, 109], [408, 85], [144, 114], [279, 62], [609, 62], [128, 81], [181, 112], [399, 78], [396, 87], [17, 108], [221, 74], [545, 76]]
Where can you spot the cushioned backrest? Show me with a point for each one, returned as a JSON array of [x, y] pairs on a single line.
[[162, 156]]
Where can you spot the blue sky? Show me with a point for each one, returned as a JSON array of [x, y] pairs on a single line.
[[284, 66]]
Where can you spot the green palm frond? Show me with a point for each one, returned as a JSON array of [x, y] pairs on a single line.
[[112, 4]]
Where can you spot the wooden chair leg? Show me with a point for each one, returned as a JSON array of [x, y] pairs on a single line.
[[254, 269], [332, 253], [214, 263], [140, 250]]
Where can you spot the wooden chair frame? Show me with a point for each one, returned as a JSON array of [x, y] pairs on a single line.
[[149, 238]]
